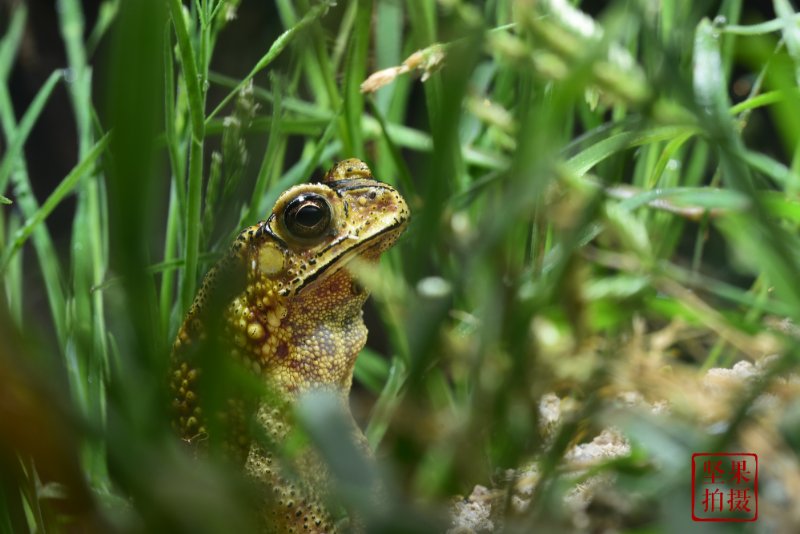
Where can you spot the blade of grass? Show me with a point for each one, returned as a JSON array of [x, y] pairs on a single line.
[[89, 242], [274, 51], [191, 75], [13, 278], [45, 251], [192, 224], [23, 129], [194, 81], [10, 42], [387, 404], [71, 24], [776, 170], [105, 16], [585, 160], [270, 161], [371, 370], [761, 28], [166, 296], [765, 99], [321, 62], [404, 177], [61, 191], [355, 69], [790, 31]]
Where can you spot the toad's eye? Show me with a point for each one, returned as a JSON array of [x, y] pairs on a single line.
[[307, 216]]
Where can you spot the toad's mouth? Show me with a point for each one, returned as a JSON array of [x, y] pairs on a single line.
[[370, 250]]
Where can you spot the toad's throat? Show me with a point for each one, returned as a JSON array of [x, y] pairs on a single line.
[[346, 255]]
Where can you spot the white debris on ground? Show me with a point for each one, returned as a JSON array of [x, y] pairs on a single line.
[[549, 410], [474, 514], [608, 445], [726, 385], [634, 399], [721, 381]]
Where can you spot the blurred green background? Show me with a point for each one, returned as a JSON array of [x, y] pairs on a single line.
[[605, 207]]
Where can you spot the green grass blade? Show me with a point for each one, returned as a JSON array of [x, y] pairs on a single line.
[[64, 188], [585, 160], [387, 403], [9, 45], [760, 28], [274, 51], [268, 165], [45, 251], [791, 32], [25, 126], [191, 75], [355, 69], [192, 222]]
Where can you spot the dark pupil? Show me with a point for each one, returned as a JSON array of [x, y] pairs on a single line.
[[307, 218], [309, 215]]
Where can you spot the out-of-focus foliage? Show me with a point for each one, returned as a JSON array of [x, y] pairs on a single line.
[[604, 207]]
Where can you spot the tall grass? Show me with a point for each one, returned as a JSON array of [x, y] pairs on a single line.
[[592, 215]]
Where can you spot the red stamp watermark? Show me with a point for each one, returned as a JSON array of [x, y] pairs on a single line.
[[724, 486]]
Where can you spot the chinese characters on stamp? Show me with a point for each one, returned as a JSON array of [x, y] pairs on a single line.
[[724, 486]]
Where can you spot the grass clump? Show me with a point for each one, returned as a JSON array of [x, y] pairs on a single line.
[[604, 216]]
